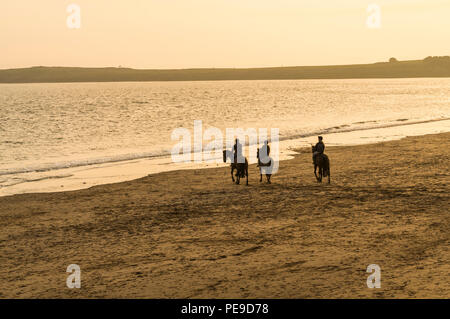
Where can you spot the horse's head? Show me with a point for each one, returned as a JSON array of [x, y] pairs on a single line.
[[313, 148]]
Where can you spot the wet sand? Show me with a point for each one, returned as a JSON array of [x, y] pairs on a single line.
[[194, 234]]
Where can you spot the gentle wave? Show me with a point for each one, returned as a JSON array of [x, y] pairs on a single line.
[[29, 180], [347, 128], [357, 126], [79, 163]]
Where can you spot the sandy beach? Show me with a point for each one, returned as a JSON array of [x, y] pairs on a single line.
[[195, 234]]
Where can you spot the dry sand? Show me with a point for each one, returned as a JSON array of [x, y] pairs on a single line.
[[194, 234]]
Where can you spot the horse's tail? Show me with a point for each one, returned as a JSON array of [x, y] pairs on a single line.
[[327, 166]]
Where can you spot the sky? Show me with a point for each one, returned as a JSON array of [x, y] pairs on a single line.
[[156, 34]]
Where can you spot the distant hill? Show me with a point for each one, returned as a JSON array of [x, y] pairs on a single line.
[[429, 67]]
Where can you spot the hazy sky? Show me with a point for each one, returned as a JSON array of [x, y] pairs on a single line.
[[219, 33]]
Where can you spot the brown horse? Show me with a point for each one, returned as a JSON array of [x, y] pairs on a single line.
[[241, 168], [323, 162], [262, 167]]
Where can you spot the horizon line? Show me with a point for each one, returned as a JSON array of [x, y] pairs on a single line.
[[200, 68]]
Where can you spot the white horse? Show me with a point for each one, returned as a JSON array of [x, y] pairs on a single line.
[[265, 168]]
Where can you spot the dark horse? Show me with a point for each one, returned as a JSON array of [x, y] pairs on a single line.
[[323, 162], [264, 168], [241, 168]]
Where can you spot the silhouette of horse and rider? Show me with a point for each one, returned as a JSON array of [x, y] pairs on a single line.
[[321, 161], [240, 163], [264, 162]]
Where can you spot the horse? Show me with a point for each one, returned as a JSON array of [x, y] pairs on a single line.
[[323, 162], [241, 168], [264, 167]]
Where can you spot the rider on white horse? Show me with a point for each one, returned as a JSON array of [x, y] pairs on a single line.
[[263, 154]]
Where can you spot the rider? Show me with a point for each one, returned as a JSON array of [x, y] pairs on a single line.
[[320, 148], [237, 151], [264, 152]]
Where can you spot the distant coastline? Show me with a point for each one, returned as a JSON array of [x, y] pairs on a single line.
[[428, 67]]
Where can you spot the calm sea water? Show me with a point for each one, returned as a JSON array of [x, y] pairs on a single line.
[[48, 128]]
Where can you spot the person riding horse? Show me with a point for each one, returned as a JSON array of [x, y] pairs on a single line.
[[263, 154], [319, 149], [321, 161], [238, 162], [264, 162]]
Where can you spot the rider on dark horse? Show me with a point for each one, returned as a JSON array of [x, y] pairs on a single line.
[[321, 161], [320, 149], [239, 162]]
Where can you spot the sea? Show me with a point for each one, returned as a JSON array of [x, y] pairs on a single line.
[[68, 136]]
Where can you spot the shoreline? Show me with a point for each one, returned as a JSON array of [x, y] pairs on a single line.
[[194, 234], [84, 177]]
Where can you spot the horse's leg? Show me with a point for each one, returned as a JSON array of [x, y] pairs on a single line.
[[320, 174], [315, 172], [246, 174], [329, 176], [268, 178], [232, 170]]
